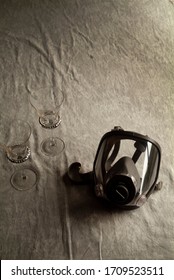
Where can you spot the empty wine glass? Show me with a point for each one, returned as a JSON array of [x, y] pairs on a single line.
[[14, 140], [47, 102]]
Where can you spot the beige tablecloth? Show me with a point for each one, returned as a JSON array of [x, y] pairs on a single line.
[[114, 62]]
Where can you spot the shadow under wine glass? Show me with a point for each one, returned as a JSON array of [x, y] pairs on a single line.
[[47, 102], [14, 141]]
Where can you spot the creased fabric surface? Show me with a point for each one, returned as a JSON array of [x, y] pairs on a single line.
[[114, 62]]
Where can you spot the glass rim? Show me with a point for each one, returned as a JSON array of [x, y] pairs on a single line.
[[29, 131], [6, 147], [40, 111]]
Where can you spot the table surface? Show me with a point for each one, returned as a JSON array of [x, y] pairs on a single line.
[[114, 62]]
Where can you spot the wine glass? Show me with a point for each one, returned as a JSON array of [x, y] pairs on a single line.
[[14, 140], [47, 102]]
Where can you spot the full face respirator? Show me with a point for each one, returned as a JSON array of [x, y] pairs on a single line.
[[125, 169]]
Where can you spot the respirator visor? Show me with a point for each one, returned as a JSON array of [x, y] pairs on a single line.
[[126, 167]]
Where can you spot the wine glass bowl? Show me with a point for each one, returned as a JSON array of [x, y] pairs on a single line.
[[18, 153], [47, 102], [50, 119], [15, 141]]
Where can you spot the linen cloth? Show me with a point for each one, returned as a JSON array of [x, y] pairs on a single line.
[[114, 62]]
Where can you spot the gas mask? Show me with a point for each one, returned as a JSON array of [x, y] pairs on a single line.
[[125, 169]]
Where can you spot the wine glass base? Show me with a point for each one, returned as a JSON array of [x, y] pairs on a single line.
[[50, 123], [19, 158], [52, 146], [24, 179]]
